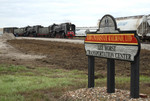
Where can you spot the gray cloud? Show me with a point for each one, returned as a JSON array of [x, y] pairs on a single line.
[[80, 12]]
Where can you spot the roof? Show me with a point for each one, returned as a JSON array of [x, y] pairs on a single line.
[[129, 17]]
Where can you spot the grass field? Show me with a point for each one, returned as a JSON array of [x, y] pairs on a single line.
[[63, 69], [19, 83]]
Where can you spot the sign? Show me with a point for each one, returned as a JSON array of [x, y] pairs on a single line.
[[111, 43]]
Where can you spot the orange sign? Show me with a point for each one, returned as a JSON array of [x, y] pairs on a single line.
[[112, 38]]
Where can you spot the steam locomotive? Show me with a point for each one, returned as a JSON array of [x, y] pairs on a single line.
[[63, 30]]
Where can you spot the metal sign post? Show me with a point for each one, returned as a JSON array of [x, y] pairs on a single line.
[[110, 75], [91, 60], [134, 88], [111, 43]]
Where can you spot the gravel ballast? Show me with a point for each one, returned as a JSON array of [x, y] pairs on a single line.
[[100, 94]]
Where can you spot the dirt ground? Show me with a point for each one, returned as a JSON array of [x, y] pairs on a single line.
[[37, 53], [11, 55]]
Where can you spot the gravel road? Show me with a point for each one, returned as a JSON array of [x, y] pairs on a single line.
[[76, 41], [54, 39]]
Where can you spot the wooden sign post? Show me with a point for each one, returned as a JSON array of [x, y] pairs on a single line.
[[111, 43]]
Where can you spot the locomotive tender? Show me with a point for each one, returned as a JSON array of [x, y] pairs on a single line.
[[64, 30]]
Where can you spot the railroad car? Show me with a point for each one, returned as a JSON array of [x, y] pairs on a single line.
[[19, 31], [44, 32], [32, 31], [9, 29], [81, 31], [139, 23]]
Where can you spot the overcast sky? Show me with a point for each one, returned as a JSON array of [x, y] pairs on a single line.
[[21, 13]]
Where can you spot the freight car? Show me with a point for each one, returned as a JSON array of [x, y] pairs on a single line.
[[140, 23], [64, 30], [19, 32], [9, 29]]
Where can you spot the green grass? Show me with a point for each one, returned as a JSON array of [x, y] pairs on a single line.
[[18, 83], [15, 80], [145, 79], [11, 68], [13, 84]]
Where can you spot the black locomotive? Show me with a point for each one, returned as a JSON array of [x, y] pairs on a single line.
[[64, 30]]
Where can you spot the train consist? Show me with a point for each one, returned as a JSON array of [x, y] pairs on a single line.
[[140, 24], [64, 30]]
